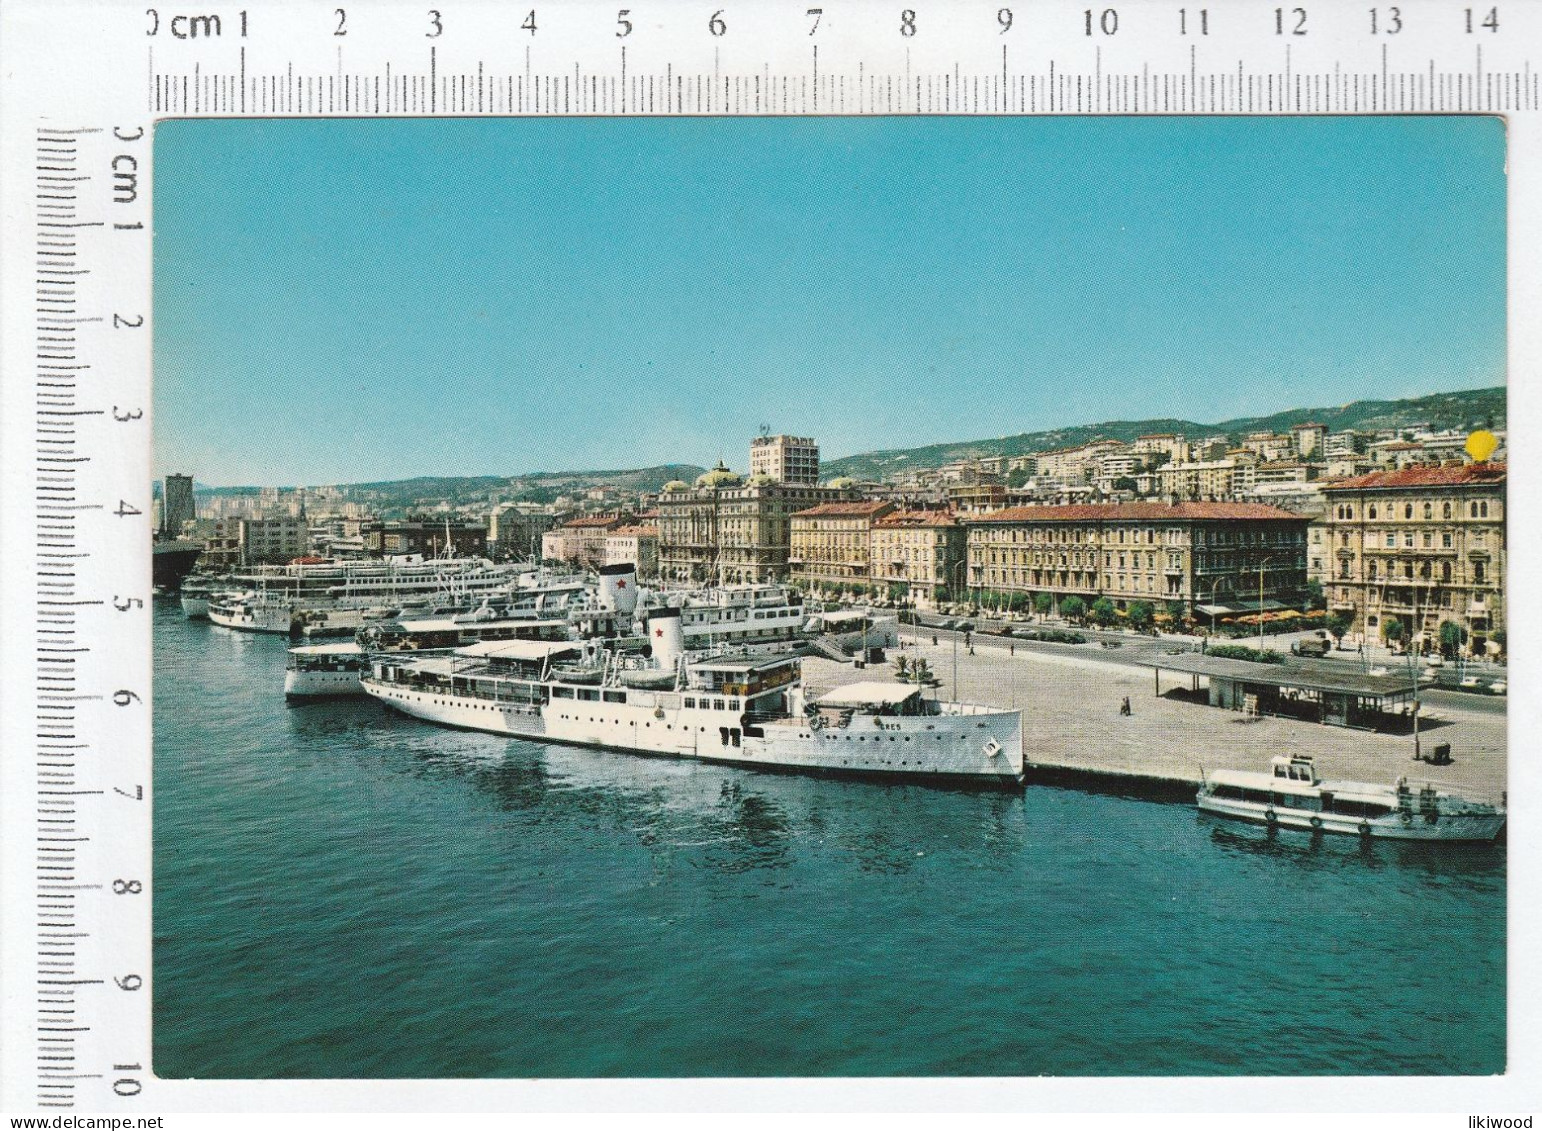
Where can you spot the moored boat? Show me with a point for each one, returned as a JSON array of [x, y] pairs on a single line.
[[1292, 796], [740, 708]]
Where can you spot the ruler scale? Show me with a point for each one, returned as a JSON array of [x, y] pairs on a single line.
[[79, 108], [489, 89]]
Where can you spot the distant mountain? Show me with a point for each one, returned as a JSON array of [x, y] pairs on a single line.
[[1467, 408], [539, 486]]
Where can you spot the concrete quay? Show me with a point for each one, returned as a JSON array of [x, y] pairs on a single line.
[[1073, 732]]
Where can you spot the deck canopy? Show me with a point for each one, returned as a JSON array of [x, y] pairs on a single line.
[[519, 649], [871, 693], [743, 661], [350, 648], [451, 624]]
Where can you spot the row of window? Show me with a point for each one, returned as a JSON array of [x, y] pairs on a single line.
[[1477, 508]]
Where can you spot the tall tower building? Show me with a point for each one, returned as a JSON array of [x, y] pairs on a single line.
[[785, 459], [177, 506]]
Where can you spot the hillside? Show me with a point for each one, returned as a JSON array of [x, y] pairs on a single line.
[[1467, 408]]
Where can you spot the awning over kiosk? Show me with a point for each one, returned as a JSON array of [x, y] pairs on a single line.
[[1328, 692]]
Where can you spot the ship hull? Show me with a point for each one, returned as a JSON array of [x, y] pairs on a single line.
[[172, 562], [321, 684], [982, 749], [195, 607], [1447, 826]]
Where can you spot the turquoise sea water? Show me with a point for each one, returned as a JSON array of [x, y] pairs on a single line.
[[343, 892]]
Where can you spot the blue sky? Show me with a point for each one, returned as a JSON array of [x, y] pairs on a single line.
[[342, 301]]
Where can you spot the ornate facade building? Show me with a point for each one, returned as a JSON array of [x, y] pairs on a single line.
[[831, 544], [726, 531], [1215, 558], [1423, 545], [922, 549]]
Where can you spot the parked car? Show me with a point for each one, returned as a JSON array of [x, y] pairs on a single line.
[[1498, 687], [1312, 646]]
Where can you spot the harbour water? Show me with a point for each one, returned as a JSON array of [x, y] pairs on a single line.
[[343, 892]]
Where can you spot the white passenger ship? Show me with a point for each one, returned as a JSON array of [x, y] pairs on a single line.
[[740, 708], [1292, 796], [319, 670], [281, 599], [545, 607]]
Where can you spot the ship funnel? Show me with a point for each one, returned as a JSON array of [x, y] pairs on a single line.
[[666, 637], [618, 589]]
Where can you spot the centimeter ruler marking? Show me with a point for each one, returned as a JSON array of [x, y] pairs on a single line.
[[495, 88], [60, 641]]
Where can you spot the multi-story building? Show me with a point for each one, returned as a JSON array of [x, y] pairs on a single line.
[[1208, 479], [1078, 465], [635, 545], [221, 538], [1310, 439], [514, 531], [785, 459], [1270, 445], [725, 530], [274, 540], [977, 491], [831, 544], [1216, 556], [177, 505], [922, 549], [1168, 446], [1422, 545], [1346, 444], [427, 536], [582, 541]]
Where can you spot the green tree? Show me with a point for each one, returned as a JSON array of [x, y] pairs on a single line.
[[898, 590], [1177, 611], [1141, 615], [1017, 477], [1125, 483], [1452, 637], [1073, 608], [1042, 603], [1103, 612], [1313, 597], [1392, 630], [1339, 624]]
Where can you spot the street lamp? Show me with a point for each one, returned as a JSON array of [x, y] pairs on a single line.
[[957, 566]]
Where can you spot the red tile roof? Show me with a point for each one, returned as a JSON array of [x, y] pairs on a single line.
[[918, 519], [599, 520], [1423, 475], [1138, 512], [848, 510]]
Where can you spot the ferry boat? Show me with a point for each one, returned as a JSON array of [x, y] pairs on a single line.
[[546, 608], [740, 708], [315, 671], [272, 598], [1292, 796], [738, 615], [197, 590]]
